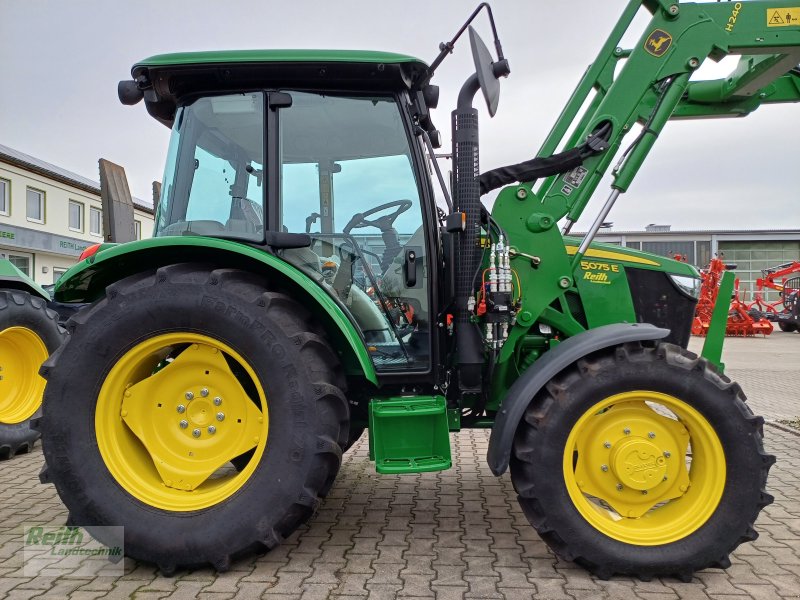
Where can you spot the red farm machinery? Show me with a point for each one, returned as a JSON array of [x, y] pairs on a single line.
[[784, 279], [743, 319]]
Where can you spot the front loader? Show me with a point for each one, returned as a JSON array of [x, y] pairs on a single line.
[[303, 285]]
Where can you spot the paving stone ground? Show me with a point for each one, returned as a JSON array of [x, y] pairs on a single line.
[[454, 534]]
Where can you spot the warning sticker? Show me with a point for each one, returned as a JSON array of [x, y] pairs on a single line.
[[783, 17], [576, 176]]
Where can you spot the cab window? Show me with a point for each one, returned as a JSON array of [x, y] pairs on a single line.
[[347, 180]]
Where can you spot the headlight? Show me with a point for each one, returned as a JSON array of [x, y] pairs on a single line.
[[688, 285]]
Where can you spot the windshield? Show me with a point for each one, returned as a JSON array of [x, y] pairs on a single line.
[[213, 181]]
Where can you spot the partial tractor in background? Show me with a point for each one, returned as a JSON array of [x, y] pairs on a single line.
[[31, 323], [29, 333]]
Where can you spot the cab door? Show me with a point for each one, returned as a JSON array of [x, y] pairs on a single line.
[[347, 178]]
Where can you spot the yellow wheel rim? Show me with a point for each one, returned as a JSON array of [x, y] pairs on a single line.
[[171, 415], [644, 468], [22, 352]]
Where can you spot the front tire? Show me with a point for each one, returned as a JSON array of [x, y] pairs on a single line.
[[641, 461], [29, 333], [197, 408]]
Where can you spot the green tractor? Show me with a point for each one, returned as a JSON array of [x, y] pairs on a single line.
[[29, 333], [303, 285]]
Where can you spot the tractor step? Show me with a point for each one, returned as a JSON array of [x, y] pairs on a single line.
[[409, 434]]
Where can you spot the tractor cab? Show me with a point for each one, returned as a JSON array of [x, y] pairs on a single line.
[[327, 179]]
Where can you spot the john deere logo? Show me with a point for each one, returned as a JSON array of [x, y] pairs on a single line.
[[658, 42]]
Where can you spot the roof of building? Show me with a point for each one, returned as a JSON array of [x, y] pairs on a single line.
[[31, 163]]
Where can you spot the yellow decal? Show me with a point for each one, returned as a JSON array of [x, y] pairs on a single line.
[[783, 17], [658, 43], [732, 19], [609, 255], [596, 277], [598, 266]]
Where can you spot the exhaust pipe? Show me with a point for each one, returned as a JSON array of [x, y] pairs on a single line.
[[467, 200]]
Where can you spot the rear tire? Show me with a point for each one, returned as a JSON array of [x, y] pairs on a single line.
[[593, 428], [29, 333], [355, 435], [290, 382], [788, 327]]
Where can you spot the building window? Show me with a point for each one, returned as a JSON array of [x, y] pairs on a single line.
[[703, 254], [75, 216], [95, 221], [22, 262], [35, 205], [5, 197], [137, 230], [57, 273]]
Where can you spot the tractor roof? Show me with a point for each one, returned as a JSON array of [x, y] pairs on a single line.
[[170, 77]]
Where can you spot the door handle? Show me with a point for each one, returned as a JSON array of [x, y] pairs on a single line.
[[410, 268]]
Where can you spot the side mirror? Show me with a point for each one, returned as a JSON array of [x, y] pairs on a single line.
[[488, 71], [129, 92]]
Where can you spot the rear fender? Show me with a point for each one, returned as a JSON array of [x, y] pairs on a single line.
[[87, 281], [543, 370], [11, 278]]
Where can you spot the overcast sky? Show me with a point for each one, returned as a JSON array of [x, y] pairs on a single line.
[[60, 62]]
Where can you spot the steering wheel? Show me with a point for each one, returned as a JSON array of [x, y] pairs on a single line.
[[383, 223]]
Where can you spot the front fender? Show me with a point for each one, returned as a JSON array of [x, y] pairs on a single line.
[[12, 278], [543, 370], [87, 281]]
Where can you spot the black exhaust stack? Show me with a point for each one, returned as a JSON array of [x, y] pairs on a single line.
[[467, 200]]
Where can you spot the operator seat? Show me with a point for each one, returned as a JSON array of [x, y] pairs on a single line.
[[368, 316]]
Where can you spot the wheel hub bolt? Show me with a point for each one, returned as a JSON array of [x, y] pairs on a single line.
[[217, 401], [204, 392], [644, 492], [606, 444], [619, 487], [665, 478], [220, 416], [181, 409], [604, 468], [626, 431], [667, 454], [184, 424], [189, 395], [196, 433], [651, 435], [212, 430]]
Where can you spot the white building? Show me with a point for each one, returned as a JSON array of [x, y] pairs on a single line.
[[48, 215]]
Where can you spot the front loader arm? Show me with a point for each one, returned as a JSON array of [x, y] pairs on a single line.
[[653, 84]]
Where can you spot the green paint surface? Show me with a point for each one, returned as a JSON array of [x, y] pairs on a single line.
[[265, 56], [11, 274], [87, 280]]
